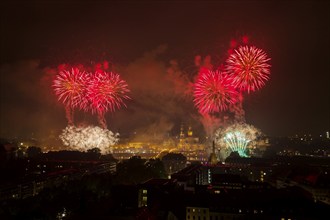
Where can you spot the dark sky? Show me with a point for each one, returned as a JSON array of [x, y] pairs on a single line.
[[141, 38]]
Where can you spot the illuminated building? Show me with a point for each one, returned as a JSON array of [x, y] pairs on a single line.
[[190, 146], [197, 213], [143, 198], [187, 142]]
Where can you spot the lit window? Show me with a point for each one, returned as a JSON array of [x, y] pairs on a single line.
[[144, 191]]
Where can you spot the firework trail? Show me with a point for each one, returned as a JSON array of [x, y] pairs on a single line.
[[248, 68], [237, 138], [213, 92], [69, 113], [85, 138], [237, 109], [106, 92], [210, 124], [71, 89]]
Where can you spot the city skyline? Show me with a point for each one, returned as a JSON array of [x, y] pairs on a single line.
[[147, 41]]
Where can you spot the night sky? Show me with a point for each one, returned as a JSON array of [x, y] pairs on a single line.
[[147, 40]]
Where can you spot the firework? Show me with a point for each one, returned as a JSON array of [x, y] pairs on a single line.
[[99, 92], [248, 68], [213, 92], [84, 138], [106, 92], [71, 88], [237, 138], [237, 142]]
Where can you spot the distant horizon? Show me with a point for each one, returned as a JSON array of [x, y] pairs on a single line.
[[318, 135]]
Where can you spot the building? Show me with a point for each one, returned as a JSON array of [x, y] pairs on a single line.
[[195, 174], [174, 162], [200, 213]]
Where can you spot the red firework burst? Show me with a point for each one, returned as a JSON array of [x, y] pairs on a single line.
[[248, 68], [213, 92], [71, 89], [107, 92]]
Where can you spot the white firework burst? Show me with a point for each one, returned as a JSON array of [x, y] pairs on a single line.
[[85, 138]]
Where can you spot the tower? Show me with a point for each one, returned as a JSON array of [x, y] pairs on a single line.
[[182, 138], [190, 132], [213, 160]]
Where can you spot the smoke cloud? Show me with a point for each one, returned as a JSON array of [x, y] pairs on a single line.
[[28, 108], [160, 92], [160, 96]]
